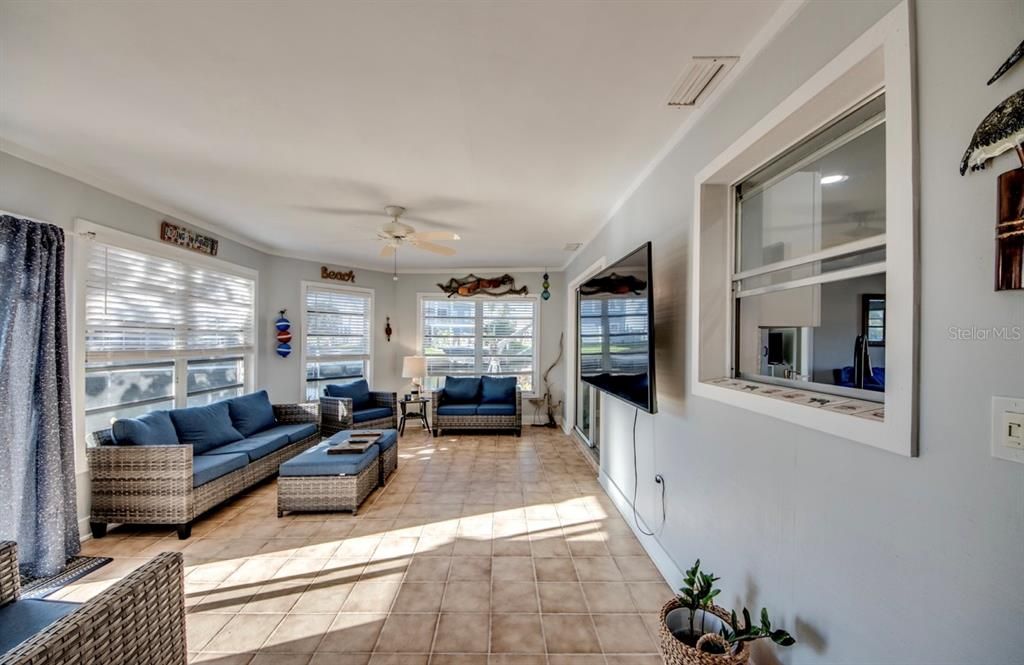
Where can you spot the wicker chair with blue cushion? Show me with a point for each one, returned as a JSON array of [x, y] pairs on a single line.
[[169, 467], [139, 620], [355, 406], [492, 403]]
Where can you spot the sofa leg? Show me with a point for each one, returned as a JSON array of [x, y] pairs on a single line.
[[99, 529], [184, 531]]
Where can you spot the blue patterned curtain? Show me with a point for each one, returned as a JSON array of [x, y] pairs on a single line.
[[37, 456]]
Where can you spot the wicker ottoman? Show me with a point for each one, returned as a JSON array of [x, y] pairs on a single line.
[[387, 445], [315, 481]]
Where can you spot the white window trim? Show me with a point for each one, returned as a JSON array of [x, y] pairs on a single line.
[[355, 290], [571, 338], [537, 389], [881, 58], [85, 232]]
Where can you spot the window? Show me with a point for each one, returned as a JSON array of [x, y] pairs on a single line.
[[873, 313], [809, 245], [338, 343], [476, 337], [781, 253], [149, 320]]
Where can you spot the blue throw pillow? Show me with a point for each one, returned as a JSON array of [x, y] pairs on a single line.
[[461, 389], [357, 391], [205, 427], [495, 390], [252, 413], [153, 429]]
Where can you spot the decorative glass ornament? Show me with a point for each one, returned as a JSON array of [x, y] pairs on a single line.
[[545, 294], [284, 335]]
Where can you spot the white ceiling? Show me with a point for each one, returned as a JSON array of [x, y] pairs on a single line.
[[517, 124]]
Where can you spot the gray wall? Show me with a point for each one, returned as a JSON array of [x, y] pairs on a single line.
[[33, 191], [866, 556]]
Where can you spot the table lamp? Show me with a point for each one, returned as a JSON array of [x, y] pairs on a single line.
[[414, 367]]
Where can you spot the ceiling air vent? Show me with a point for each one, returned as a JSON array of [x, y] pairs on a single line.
[[572, 246], [703, 76]]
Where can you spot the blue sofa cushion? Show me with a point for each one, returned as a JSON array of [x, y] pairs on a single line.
[[211, 467], [251, 413], [461, 389], [456, 410], [24, 618], [294, 431], [357, 391], [363, 415], [255, 447], [316, 462], [388, 438], [498, 390], [496, 410], [152, 429], [205, 427]]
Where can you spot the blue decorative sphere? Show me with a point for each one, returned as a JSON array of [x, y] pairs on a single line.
[[282, 323], [546, 295], [284, 350]]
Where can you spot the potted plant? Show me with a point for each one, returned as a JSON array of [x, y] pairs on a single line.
[[695, 631]]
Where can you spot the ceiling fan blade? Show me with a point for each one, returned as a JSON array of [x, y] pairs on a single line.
[[432, 247], [387, 251], [436, 235]]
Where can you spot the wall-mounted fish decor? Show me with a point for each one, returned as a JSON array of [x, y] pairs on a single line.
[[471, 285]]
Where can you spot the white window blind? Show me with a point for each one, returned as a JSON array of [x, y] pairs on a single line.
[[480, 337], [337, 325], [141, 305]]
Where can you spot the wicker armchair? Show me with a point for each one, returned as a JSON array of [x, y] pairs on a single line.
[[441, 422], [336, 413], [140, 620], [153, 484]]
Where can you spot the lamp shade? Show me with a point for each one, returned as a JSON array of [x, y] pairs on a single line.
[[414, 367]]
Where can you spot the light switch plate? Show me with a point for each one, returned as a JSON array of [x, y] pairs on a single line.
[[1008, 418]]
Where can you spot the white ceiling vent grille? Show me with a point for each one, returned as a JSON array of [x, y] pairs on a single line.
[[572, 246], [703, 76]]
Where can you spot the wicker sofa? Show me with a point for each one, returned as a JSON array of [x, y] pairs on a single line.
[[355, 405], [174, 484], [140, 620], [474, 403]]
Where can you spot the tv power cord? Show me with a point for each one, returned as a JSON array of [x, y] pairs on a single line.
[[658, 478]]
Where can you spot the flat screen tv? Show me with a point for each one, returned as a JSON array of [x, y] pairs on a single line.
[[616, 330]]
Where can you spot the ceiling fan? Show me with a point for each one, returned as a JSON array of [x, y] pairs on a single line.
[[396, 234]]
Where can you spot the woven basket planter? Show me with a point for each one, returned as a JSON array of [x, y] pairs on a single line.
[[680, 653]]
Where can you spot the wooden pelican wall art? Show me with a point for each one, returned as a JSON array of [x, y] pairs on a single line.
[[1002, 130]]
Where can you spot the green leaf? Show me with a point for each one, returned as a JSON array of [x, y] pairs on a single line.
[[765, 623], [782, 638], [746, 619]]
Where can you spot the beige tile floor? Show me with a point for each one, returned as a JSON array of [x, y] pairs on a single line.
[[481, 550]]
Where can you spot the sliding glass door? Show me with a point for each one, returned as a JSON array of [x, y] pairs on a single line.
[[587, 424]]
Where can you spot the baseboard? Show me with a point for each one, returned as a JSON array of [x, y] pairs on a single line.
[[661, 558], [84, 532]]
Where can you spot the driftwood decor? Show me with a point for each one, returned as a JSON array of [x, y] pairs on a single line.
[[471, 285]]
